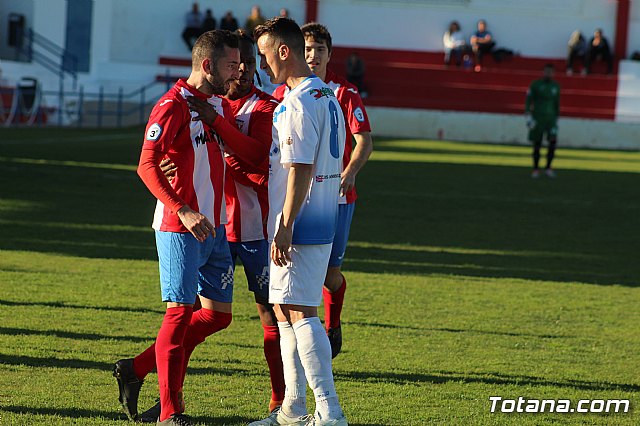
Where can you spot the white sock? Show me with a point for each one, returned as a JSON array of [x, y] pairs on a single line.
[[314, 350], [295, 394]]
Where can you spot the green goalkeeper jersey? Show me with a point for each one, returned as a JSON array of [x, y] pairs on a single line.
[[543, 100]]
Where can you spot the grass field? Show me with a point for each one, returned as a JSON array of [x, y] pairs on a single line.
[[467, 279]]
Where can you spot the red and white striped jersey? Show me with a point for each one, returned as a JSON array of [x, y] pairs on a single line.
[[355, 116], [195, 149], [246, 184]]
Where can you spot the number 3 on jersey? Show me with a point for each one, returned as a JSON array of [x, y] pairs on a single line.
[[334, 146]]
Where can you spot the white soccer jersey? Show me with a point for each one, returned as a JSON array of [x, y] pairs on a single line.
[[308, 128]]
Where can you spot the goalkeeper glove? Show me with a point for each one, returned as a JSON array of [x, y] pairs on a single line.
[[531, 123]]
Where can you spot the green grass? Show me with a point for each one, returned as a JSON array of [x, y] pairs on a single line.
[[467, 279]]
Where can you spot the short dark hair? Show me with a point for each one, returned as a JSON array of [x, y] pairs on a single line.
[[283, 30], [211, 44], [243, 35], [318, 32]]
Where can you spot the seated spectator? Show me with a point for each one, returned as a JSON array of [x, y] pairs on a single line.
[[193, 27], [229, 22], [577, 50], [284, 13], [599, 49], [481, 42], [209, 22], [254, 19], [355, 72], [454, 44]]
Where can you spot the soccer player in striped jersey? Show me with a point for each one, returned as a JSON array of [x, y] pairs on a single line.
[[246, 195], [318, 53], [189, 220]]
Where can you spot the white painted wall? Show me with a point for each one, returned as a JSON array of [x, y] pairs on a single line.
[[499, 128], [533, 28], [141, 30], [128, 37], [628, 99]]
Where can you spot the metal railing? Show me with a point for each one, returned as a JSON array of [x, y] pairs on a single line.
[[37, 48], [81, 107]]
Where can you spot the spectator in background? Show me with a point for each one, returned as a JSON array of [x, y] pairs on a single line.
[[229, 22], [355, 72], [577, 50], [284, 13], [454, 44], [254, 19], [209, 22], [599, 49], [193, 27], [481, 43]]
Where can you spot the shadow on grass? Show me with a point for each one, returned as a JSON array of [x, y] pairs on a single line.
[[72, 306], [71, 413], [69, 335], [489, 378], [453, 330], [464, 206], [51, 362], [78, 413]]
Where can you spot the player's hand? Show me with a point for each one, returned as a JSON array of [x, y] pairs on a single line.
[[531, 123], [204, 110], [347, 182], [168, 168], [196, 223], [281, 246]]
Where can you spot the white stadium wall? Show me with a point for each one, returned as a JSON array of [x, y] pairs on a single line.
[[129, 36], [533, 28], [499, 128]]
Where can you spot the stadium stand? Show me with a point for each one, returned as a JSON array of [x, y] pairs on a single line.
[[412, 79], [415, 79]]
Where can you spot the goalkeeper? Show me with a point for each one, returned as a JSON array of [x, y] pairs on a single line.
[[542, 108]]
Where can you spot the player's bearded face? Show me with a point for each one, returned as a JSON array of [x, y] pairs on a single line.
[[224, 71], [317, 55]]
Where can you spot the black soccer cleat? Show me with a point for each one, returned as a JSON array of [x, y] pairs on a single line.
[[176, 419], [129, 386], [151, 415], [335, 339]]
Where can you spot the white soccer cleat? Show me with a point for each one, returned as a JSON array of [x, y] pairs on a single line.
[[550, 173], [535, 173], [278, 417], [342, 421]]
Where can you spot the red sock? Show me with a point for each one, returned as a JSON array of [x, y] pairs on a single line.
[[145, 363], [204, 323], [170, 357], [333, 305], [274, 361]]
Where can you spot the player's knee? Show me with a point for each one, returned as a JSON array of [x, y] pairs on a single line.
[[333, 280]]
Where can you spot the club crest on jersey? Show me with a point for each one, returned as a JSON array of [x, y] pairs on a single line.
[[358, 114], [154, 132], [319, 93], [289, 141]]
